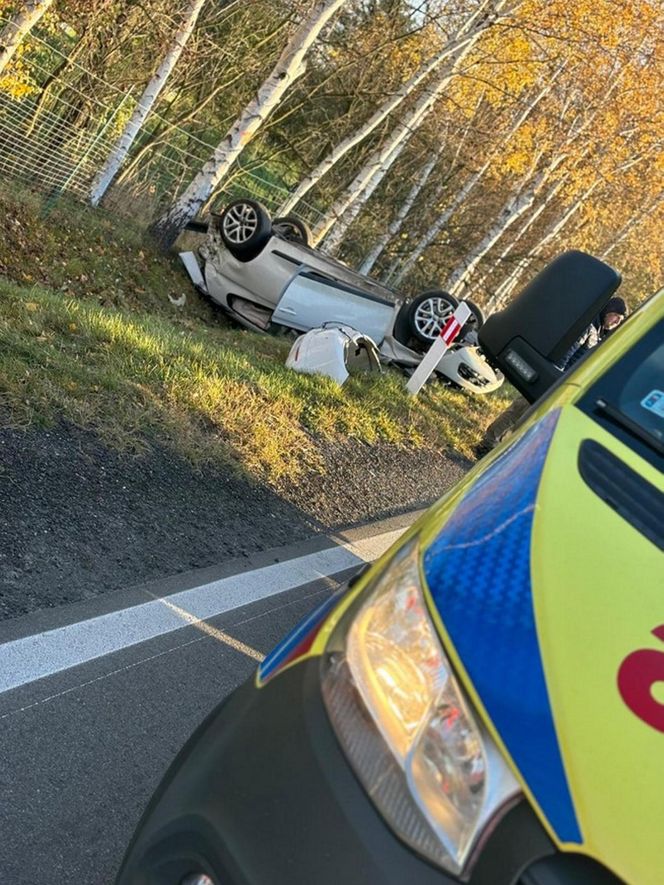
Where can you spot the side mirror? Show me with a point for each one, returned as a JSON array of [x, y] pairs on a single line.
[[535, 331]]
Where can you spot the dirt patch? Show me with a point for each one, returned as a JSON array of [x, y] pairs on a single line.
[[361, 482]]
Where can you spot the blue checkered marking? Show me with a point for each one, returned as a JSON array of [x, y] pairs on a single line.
[[478, 570]]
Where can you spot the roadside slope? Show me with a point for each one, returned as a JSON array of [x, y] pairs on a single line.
[[139, 438]]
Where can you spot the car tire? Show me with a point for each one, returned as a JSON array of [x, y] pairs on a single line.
[[245, 228], [428, 313], [476, 320], [290, 227], [402, 329]]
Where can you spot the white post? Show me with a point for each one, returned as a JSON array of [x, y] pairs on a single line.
[[438, 349]]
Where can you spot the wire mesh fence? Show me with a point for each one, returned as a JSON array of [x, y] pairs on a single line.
[[56, 137], [58, 134], [48, 151]]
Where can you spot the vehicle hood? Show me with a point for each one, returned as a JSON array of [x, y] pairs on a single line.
[[541, 593]]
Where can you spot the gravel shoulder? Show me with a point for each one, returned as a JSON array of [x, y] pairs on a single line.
[[78, 519]]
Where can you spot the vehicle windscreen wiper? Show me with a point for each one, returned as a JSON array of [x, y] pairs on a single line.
[[613, 413]]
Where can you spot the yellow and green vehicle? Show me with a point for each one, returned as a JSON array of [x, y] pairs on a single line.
[[486, 703]]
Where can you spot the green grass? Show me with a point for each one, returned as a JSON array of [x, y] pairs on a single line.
[[88, 334], [212, 394], [89, 254]]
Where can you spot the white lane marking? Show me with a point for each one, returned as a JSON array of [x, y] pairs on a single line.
[[118, 670], [35, 657]]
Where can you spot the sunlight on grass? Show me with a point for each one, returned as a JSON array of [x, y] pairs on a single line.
[[213, 394]]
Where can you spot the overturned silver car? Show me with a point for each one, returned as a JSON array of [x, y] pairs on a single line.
[[265, 275]]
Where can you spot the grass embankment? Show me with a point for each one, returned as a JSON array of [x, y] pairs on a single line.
[[101, 346]]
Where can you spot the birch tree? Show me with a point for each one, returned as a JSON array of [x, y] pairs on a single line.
[[522, 200], [531, 220], [352, 200], [395, 225], [435, 198], [18, 26], [363, 131], [471, 184], [630, 225], [361, 190], [515, 208], [145, 104], [288, 68], [508, 285]]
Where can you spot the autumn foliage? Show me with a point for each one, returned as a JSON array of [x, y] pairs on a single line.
[[547, 136]]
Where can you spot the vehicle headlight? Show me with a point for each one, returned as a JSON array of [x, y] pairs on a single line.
[[435, 775]]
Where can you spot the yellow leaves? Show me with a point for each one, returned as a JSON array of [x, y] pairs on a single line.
[[503, 63], [31, 306], [17, 80]]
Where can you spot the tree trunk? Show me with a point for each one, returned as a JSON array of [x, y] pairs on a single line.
[[355, 206], [523, 230], [145, 104], [353, 199], [514, 209], [633, 222], [509, 284], [18, 26], [367, 128], [437, 195], [290, 66], [462, 195], [395, 226]]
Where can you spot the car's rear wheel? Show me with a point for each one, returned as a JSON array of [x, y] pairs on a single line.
[[477, 317], [428, 313], [475, 321], [245, 228], [292, 228]]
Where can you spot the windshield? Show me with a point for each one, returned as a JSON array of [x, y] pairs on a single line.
[[628, 400]]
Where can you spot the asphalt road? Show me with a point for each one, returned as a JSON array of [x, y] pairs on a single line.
[[93, 712], [79, 519]]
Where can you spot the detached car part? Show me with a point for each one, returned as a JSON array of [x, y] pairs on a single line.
[[332, 351]]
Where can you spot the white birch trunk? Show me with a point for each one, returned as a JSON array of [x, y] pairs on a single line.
[[358, 136], [627, 229], [395, 226], [20, 24], [393, 273], [469, 186], [514, 209], [379, 163], [435, 197], [289, 67], [523, 230], [145, 104], [338, 232], [509, 284]]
